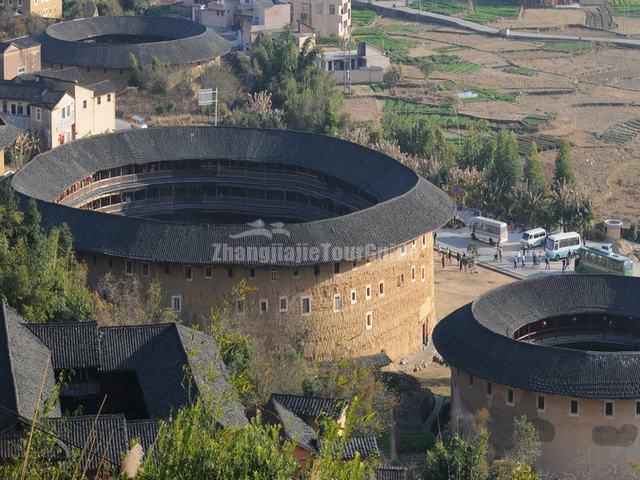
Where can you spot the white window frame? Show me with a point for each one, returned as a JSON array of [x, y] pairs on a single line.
[[286, 305], [544, 403], [368, 320], [367, 292], [337, 302], [265, 302], [208, 273], [354, 297], [381, 288], [637, 407], [513, 397], [403, 250], [302, 299], [173, 303], [38, 114], [189, 269], [273, 275]]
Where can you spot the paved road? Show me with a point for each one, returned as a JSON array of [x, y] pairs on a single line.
[[397, 9]]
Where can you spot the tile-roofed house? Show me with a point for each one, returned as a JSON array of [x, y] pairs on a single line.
[[365, 445], [390, 473], [312, 407], [297, 429], [149, 363], [19, 56]]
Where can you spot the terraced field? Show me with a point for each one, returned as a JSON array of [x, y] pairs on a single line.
[[622, 132]]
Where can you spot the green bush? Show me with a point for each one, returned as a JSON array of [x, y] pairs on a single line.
[[418, 443]]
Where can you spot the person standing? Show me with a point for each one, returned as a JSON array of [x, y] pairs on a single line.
[[564, 264], [458, 259], [442, 257], [449, 255], [547, 264], [500, 253], [515, 261]]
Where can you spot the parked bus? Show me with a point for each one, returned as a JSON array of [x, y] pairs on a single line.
[[598, 260], [489, 231], [558, 245]]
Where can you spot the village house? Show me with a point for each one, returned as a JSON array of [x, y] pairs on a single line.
[[39, 8], [58, 106], [19, 56], [326, 18], [365, 65]]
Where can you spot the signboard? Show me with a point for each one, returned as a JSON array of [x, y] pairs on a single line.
[[205, 96]]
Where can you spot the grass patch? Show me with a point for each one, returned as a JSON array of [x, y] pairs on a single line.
[[379, 87], [442, 8], [449, 49], [396, 48], [491, 13], [486, 94], [568, 47], [451, 63], [361, 17], [384, 443], [403, 106], [416, 443], [520, 71], [621, 7]]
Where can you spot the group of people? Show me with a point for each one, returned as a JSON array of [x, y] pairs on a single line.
[[522, 256], [447, 256]]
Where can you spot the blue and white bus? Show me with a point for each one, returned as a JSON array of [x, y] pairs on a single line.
[[558, 245]]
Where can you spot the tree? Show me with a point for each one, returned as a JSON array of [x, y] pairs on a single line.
[[526, 441], [534, 173], [304, 91], [529, 205], [507, 170], [563, 172], [427, 68], [24, 148], [458, 459], [478, 148], [572, 209]]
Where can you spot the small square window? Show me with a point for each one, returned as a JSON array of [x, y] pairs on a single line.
[[403, 249], [167, 269], [541, 403], [316, 269], [413, 273], [252, 273], [264, 306], [337, 302], [145, 269], [176, 303], [510, 397], [637, 408], [367, 292], [208, 272], [240, 306], [354, 264], [84, 104], [489, 390], [305, 305], [368, 319], [94, 259], [424, 241], [108, 97], [354, 297], [128, 267], [423, 274], [296, 273], [381, 288], [230, 272], [574, 409], [99, 100], [471, 380], [273, 274], [608, 408], [336, 268], [413, 243], [284, 304], [188, 274]]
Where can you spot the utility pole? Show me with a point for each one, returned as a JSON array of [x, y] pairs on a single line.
[[215, 122], [346, 72]]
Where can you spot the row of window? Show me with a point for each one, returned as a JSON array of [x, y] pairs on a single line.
[[541, 402]]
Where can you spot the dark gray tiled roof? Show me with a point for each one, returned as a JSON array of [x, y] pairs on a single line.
[[72, 345], [408, 205], [478, 338], [31, 92], [191, 42], [375, 361], [391, 473], [146, 431], [102, 88], [297, 429], [365, 445], [8, 133], [69, 74], [313, 407], [20, 42], [23, 363]]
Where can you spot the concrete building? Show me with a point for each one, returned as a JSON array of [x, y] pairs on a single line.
[[125, 380], [327, 18], [334, 239], [102, 48], [58, 106], [366, 64], [38, 8], [18, 57], [8, 135], [243, 20], [562, 350]]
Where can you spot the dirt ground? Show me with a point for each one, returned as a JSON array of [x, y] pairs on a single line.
[[453, 290], [584, 93]]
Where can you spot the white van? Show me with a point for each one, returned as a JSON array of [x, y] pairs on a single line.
[[533, 238], [489, 230], [558, 245]]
